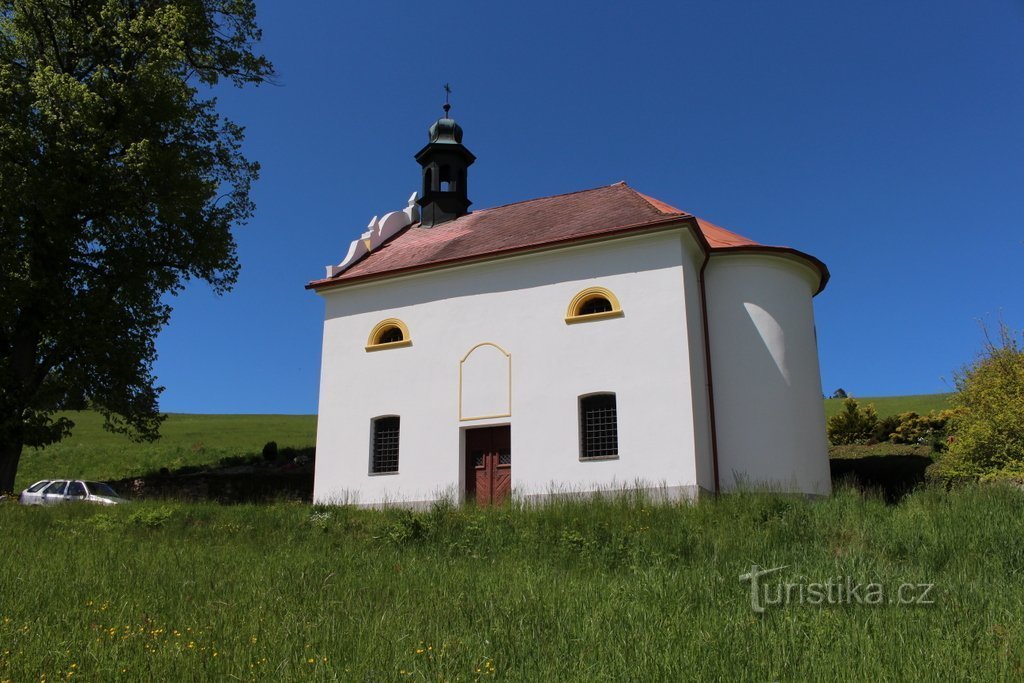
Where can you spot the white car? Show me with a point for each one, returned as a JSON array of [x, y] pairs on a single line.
[[53, 491]]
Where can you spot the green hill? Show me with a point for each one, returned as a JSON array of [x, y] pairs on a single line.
[[894, 405], [185, 440]]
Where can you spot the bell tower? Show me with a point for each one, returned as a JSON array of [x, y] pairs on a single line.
[[444, 161]]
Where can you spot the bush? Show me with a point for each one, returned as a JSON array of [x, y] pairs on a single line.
[[988, 420], [884, 429], [270, 451], [931, 428], [853, 424]]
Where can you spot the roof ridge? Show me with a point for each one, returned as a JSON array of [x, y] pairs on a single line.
[[554, 196]]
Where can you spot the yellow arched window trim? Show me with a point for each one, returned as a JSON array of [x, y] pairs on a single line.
[[573, 314], [373, 343]]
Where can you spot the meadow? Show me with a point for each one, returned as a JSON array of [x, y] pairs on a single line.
[[607, 589], [599, 590], [186, 440], [894, 405]]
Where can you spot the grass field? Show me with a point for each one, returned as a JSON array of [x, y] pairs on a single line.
[[186, 440], [576, 591], [894, 405]]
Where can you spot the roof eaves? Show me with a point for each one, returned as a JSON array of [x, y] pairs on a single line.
[[815, 263]]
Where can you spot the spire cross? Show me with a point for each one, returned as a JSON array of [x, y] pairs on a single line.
[[447, 92]]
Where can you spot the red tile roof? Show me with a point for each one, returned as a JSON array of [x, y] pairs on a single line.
[[533, 224]]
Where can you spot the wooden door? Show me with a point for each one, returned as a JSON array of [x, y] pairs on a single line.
[[488, 465]]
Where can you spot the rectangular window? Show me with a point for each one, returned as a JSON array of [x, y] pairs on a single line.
[[385, 445], [599, 429]]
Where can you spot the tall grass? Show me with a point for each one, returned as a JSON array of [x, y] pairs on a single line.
[[602, 590]]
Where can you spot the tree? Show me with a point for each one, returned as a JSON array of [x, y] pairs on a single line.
[[988, 417], [119, 183], [852, 424], [839, 393]]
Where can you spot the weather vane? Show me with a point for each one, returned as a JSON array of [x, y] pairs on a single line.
[[447, 92]]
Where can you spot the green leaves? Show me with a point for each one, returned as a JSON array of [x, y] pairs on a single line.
[[989, 424], [120, 182], [853, 424]]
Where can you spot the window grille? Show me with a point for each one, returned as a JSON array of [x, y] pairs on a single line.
[[596, 305], [599, 430], [390, 335], [385, 445]]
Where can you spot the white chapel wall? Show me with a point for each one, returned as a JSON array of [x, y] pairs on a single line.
[[518, 304], [767, 384]]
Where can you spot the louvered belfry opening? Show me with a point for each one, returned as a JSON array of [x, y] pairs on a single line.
[[444, 161]]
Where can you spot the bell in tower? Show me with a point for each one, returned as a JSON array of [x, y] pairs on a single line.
[[444, 161]]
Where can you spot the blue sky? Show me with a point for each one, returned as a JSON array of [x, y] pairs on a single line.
[[886, 138]]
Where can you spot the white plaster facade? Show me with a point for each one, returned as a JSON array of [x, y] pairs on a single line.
[[528, 368]]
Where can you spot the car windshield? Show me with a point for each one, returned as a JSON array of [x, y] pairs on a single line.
[[38, 485], [98, 489]]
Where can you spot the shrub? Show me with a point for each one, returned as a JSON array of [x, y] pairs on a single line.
[[931, 428], [884, 428], [988, 418], [270, 451], [853, 424]]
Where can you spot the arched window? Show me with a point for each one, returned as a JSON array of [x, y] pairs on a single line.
[[391, 335], [599, 426], [384, 449], [388, 334], [593, 303]]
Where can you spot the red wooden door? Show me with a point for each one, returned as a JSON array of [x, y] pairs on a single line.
[[489, 465]]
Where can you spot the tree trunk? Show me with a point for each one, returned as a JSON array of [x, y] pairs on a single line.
[[10, 454]]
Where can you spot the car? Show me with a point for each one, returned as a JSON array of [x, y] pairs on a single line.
[[54, 491]]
